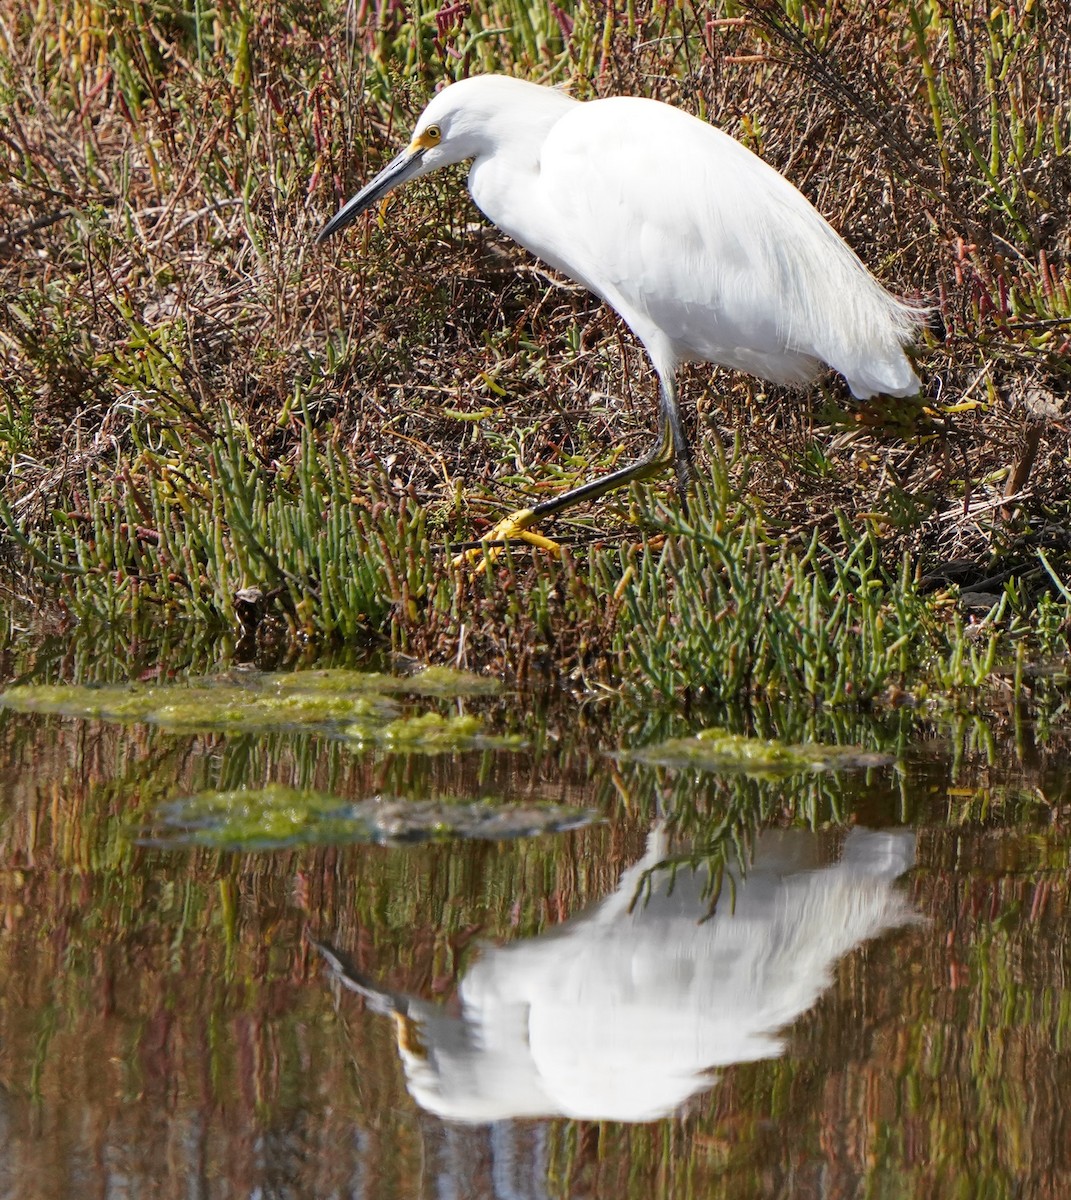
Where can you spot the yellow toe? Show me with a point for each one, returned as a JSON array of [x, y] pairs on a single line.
[[510, 529]]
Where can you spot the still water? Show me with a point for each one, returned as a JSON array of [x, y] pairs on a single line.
[[659, 980]]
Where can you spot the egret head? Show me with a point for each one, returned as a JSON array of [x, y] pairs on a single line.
[[478, 117], [449, 130]]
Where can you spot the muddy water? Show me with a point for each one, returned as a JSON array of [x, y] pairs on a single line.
[[776, 983]]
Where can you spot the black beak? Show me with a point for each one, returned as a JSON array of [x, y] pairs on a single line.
[[404, 166]]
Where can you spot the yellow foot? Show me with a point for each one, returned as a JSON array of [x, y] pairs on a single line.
[[407, 1033], [510, 529]]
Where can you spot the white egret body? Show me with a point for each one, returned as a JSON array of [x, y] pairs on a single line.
[[707, 253]]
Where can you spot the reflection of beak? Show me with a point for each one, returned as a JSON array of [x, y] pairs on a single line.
[[397, 171]]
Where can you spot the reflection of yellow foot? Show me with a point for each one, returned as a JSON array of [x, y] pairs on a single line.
[[407, 1032], [512, 528]]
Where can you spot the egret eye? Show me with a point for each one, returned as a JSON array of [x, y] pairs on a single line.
[[433, 133]]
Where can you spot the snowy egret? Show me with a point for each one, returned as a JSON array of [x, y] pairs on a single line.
[[706, 252]]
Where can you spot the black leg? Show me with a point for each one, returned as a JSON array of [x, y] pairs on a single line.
[[671, 449], [682, 451]]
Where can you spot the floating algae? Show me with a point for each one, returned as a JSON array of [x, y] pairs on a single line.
[[179, 708], [720, 750], [277, 817], [431, 681], [331, 701], [431, 733]]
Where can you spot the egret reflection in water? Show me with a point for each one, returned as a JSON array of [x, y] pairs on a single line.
[[623, 1012]]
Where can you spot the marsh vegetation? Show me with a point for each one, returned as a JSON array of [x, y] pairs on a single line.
[[203, 411], [236, 469]]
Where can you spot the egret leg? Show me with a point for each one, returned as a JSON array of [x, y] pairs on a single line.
[[678, 439], [671, 448]]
